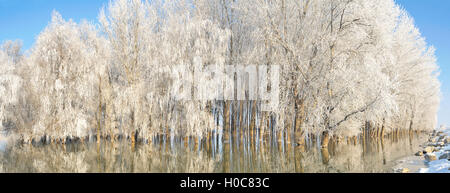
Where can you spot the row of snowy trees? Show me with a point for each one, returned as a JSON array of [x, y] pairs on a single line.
[[346, 67]]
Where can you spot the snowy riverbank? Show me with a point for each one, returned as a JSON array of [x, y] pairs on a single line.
[[438, 161], [433, 158]]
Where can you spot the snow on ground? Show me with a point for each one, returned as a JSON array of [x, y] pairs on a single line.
[[439, 165], [412, 163], [435, 161]]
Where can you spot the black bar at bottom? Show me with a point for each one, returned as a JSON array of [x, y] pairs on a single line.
[[222, 182]]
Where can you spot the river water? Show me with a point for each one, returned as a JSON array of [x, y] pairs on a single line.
[[175, 155]]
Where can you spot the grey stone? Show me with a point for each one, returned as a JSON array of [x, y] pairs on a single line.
[[420, 153], [428, 149], [432, 140], [432, 144], [445, 156], [430, 157]]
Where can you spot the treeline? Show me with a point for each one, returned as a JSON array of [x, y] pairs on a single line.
[[346, 68]]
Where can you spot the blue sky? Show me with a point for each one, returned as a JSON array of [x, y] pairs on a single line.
[[432, 17], [25, 19]]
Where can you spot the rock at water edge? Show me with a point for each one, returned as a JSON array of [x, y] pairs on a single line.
[[430, 157]]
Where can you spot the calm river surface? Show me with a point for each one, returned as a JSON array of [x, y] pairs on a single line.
[[174, 155]]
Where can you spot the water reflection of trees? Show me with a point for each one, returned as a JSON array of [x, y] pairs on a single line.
[[110, 158], [240, 155]]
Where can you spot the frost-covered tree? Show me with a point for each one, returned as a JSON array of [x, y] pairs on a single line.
[[130, 27], [346, 68], [337, 61], [416, 71], [67, 60], [10, 85]]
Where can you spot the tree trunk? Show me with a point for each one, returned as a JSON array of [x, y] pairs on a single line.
[[288, 136], [262, 126], [99, 110], [234, 118], [299, 115], [325, 155], [325, 139], [226, 157], [241, 111], [298, 150], [195, 143], [253, 118], [186, 141], [133, 140], [226, 119]]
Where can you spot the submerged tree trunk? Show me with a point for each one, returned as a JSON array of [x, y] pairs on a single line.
[[234, 114], [253, 118], [325, 155], [226, 157], [241, 117], [325, 139], [195, 143], [288, 136], [133, 140], [299, 116], [226, 121], [262, 126], [186, 141], [298, 154]]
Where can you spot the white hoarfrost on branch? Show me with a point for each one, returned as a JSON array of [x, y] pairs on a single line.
[[346, 68]]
